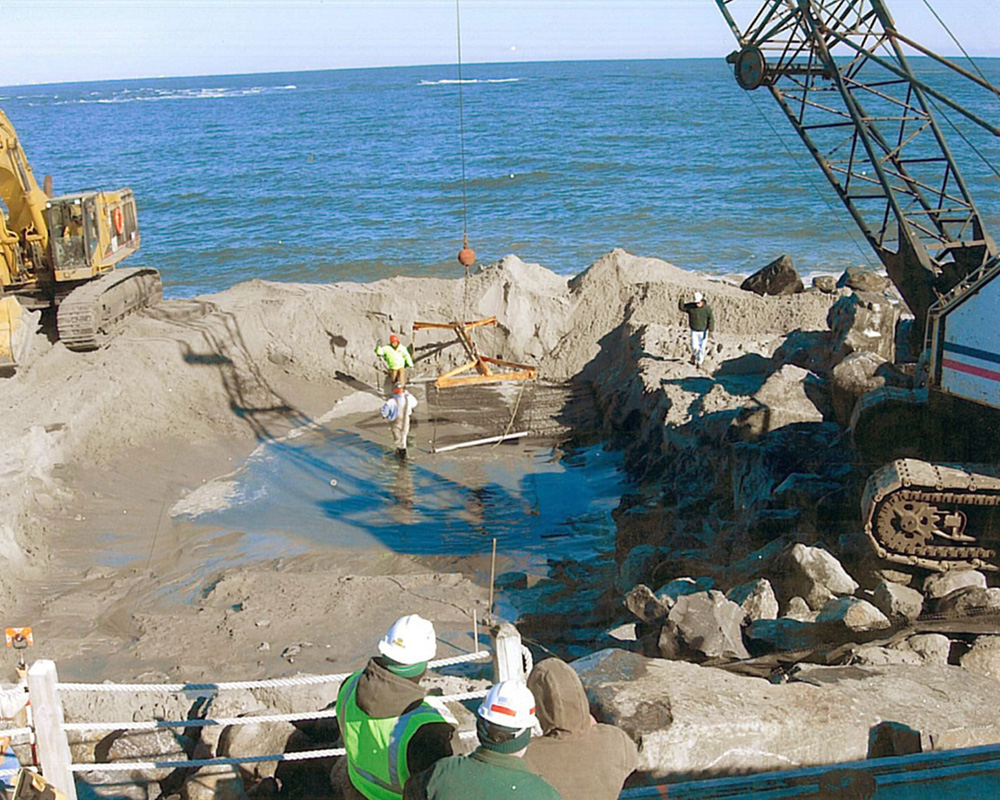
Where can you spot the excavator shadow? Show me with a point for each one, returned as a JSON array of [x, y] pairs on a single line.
[[218, 343]]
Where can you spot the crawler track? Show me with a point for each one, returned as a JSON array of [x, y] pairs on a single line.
[[93, 313], [933, 515]]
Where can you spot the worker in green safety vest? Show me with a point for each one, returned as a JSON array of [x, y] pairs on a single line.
[[390, 727], [397, 358]]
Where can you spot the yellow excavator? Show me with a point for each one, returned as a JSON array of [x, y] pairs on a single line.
[[62, 252]]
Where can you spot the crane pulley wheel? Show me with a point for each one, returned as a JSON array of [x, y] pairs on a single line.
[[750, 67]]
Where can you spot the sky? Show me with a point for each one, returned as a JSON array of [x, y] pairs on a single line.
[[51, 41]]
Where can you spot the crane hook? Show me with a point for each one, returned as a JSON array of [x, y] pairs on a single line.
[[466, 256]]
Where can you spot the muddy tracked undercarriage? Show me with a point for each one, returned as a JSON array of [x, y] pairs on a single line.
[[935, 516]]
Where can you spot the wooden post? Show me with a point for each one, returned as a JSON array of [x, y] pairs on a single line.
[[53, 746], [508, 663]]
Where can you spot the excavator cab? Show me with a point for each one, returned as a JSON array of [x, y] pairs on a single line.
[[89, 233]]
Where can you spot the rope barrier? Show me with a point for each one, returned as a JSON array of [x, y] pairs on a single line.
[[305, 755], [271, 683], [226, 721]]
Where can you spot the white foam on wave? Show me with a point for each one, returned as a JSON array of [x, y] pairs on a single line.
[[159, 95], [447, 81]]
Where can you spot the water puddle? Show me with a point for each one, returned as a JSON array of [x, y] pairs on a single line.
[[337, 488]]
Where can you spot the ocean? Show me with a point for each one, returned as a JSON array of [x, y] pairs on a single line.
[[357, 174]]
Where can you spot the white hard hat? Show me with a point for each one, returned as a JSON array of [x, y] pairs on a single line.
[[410, 640], [510, 704], [698, 297]]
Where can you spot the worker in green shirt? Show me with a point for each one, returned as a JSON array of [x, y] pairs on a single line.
[[397, 359], [496, 769], [702, 322]]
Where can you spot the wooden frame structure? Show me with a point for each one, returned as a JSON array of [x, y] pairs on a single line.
[[480, 363]]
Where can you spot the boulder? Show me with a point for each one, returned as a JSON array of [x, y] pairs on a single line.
[[789, 395], [777, 278], [798, 609], [933, 648], [889, 739], [679, 587], [864, 323], [813, 574], [645, 605], [898, 603], [857, 616], [784, 634], [214, 783], [852, 377], [635, 567], [693, 721], [983, 658], [963, 602], [238, 741], [863, 280], [875, 656], [942, 584], [703, 626], [825, 283], [756, 598]]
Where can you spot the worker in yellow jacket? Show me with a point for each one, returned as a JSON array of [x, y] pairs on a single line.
[[397, 359]]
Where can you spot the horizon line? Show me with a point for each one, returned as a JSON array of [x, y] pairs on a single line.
[[721, 59]]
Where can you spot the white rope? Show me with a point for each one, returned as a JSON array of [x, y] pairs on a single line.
[[225, 721], [305, 755], [298, 680], [529, 662]]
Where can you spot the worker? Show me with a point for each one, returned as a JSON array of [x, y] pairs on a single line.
[[701, 321], [496, 769], [390, 727], [397, 411], [397, 359], [579, 757]]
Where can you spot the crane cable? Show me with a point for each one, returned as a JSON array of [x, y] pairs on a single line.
[[466, 256], [958, 131]]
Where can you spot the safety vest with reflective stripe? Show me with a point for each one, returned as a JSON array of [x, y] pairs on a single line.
[[376, 748], [395, 357]]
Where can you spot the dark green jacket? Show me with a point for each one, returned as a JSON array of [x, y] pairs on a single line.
[[699, 317], [482, 775]]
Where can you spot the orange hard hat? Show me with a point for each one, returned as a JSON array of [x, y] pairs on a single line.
[[393, 339]]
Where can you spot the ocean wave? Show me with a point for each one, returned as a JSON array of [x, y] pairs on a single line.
[[159, 95], [449, 81]]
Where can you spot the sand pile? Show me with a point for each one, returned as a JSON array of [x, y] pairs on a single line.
[[262, 358]]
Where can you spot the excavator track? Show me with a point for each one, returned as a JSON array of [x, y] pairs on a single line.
[[936, 516], [93, 313]]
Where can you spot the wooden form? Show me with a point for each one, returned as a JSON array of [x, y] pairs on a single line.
[[483, 365]]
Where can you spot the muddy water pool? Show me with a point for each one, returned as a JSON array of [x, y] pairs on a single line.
[[338, 488]]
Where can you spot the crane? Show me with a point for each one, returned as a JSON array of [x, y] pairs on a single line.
[[843, 76]]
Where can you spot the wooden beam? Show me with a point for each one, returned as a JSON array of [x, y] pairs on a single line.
[[447, 380]]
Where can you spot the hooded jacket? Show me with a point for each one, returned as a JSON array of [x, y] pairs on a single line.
[[382, 694], [582, 759]]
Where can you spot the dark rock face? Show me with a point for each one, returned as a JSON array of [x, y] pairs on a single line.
[[863, 280], [777, 278]]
